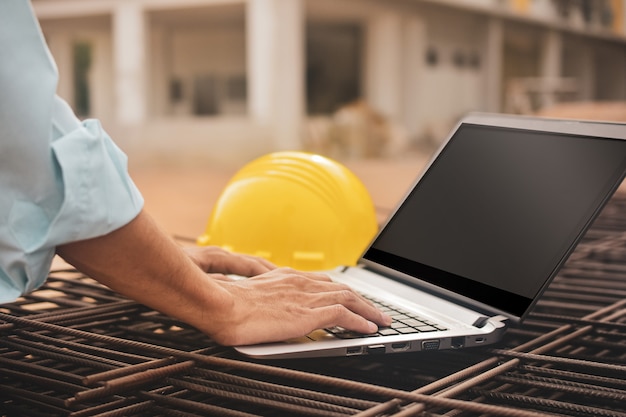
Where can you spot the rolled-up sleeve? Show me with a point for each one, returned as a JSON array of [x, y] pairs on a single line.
[[61, 180]]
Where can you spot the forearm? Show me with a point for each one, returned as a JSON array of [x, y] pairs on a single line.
[[142, 263]]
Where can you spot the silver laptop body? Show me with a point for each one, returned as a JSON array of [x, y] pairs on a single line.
[[480, 234]]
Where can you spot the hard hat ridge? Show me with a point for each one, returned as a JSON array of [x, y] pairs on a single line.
[[296, 209]]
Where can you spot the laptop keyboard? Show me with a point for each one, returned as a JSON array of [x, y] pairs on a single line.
[[404, 322]]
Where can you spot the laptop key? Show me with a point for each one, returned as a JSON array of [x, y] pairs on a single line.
[[425, 329], [407, 330], [387, 331], [412, 322]]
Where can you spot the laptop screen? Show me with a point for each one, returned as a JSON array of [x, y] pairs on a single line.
[[498, 211]]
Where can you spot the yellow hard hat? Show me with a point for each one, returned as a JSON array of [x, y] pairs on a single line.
[[295, 209]]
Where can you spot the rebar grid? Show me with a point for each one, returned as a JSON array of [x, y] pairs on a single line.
[[76, 348]]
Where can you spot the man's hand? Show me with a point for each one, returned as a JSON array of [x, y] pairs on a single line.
[[214, 260], [285, 303]]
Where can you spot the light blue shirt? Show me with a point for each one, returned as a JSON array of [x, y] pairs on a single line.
[[61, 180]]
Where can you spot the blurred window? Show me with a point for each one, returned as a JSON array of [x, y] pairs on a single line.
[[82, 64], [205, 100], [333, 66]]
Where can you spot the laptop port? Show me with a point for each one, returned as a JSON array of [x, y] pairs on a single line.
[[458, 342], [480, 340], [376, 349], [400, 347], [430, 345], [355, 350]]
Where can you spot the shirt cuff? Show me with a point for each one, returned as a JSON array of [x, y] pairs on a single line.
[[98, 194]]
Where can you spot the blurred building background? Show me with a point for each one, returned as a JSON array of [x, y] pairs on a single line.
[[223, 81]]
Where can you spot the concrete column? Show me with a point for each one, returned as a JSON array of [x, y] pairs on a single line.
[[60, 45], [129, 62], [101, 79], [415, 50], [587, 76], [619, 18], [493, 65], [383, 72], [551, 63], [623, 18], [275, 52], [161, 72]]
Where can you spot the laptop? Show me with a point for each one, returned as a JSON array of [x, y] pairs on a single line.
[[478, 237]]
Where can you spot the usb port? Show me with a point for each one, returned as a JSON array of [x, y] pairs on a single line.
[[355, 350], [376, 349]]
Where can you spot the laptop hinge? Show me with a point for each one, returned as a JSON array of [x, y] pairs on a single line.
[[482, 320]]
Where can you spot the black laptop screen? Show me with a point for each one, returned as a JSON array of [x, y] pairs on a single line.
[[498, 211]]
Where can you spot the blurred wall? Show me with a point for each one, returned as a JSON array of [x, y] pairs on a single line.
[[222, 81]]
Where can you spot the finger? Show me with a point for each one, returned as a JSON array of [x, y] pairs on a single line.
[[292, 278], [354, 302], [269, 265], [339, 315], [220, 277], [315, 276], [247, 266], [212, 259]]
